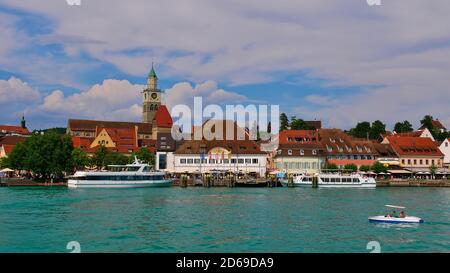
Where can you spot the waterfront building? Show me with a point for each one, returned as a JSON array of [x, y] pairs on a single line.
[[445, 149], [217, 154], [416, 154], [7, 144], [299, 151], [12, 130], [342, 149]]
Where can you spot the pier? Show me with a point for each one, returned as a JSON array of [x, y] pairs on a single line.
[[29, 183]]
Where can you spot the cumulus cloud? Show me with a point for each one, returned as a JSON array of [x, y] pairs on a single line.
[[184, 93], [113, 99], [15, 90]]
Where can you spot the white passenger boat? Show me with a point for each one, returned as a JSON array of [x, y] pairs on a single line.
[[325, 180], [395, 219], [136, 175]]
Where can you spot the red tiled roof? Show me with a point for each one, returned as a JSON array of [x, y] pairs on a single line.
[[163, 118], [12, 140], [298, 136], [91, 125], [82, 142], [14, 129], [124, 138], [9, 142], [438, 124], [406, 145]]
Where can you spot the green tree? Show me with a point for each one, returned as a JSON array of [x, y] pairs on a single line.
[[364, 168], [377, 167], [80, 159], [362, 130], [433, 169], [299, 124], [284, 122], [403, 127], [98, 160], [47, 156], [351, 167], [331, 167], [115, 158], [427, 122], [377, 129], [144, 155]]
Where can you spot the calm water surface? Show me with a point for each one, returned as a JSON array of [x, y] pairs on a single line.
[[220, 220]]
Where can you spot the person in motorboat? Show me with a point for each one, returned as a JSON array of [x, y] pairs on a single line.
[[402, 214], [388, 215], [394, 214]]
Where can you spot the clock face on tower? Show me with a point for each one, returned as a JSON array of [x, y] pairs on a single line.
[[154, 96]]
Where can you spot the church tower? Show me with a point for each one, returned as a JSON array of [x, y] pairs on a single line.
[[152, 97]]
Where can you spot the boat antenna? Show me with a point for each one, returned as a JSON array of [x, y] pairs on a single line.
[[136, 160]]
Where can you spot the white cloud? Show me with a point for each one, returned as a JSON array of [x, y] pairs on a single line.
[[121, 100], [113, 99], [15, 90], [184, 93]]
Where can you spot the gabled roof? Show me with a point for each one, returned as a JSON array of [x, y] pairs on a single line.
[[337, 142], [163, 118], [407, 145], [14, 129], [122, 137]]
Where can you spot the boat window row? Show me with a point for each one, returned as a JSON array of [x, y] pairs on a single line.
[[122, 177], [340, 180]]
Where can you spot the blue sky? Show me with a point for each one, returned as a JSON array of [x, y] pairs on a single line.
[[339, 61]]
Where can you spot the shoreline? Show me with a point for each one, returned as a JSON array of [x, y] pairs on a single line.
[[380, 184]]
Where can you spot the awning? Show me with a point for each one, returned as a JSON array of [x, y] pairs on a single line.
[[389, 162], [7, 170], [399, 172]]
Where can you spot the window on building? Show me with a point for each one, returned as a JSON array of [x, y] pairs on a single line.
[[190, 161], [409, 161], [233, 161], [289, 152], [226, 161], [182, 161], [446, 144], [415, 161], [248, 161], [314, 152], [240, 161], [255, 161], [426, 162], [432, 162], [421, 162], [302, 152], [197, 161], [212, 161]]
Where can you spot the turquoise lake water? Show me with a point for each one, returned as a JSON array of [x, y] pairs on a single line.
[[220, 220]]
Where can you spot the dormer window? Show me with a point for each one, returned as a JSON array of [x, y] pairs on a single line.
[[279, 152], [329, 149], [332, 140], [314, 152], [289, 152], [302, 152], [341, 140]]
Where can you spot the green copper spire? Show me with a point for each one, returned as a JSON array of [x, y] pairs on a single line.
[[152, 73], [23, 123]]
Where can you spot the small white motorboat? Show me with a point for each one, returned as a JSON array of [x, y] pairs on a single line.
[[395, 219]]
